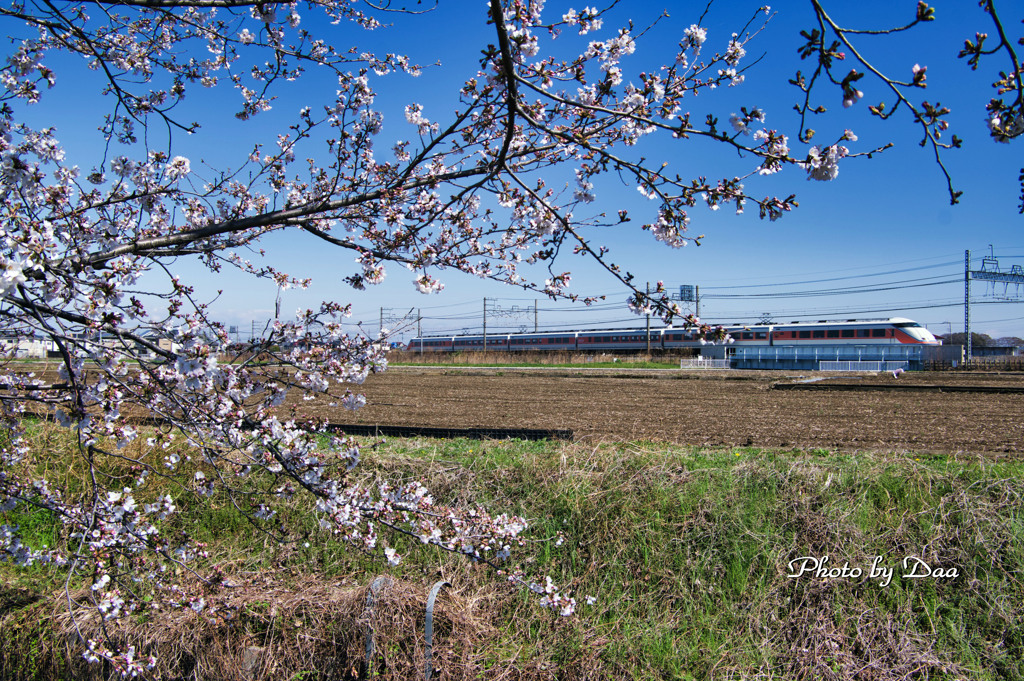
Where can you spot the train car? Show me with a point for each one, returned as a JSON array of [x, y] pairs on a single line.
[[543, 341], [497, 342], [617, 340], [896, 330], [432, 344]]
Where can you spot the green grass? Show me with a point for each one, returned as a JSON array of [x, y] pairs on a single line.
[[687, 552]]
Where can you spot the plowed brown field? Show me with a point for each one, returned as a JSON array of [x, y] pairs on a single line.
[[705, 408]]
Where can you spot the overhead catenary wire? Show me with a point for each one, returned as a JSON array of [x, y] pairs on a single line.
[[828, 279], [830, 292]]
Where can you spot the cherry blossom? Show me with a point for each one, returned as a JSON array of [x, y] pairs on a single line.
[[833, 46]]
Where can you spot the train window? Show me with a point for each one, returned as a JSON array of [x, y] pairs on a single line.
[[833, 333], [761, 335], [847, 333], [863, 333], [878, 333], [819, 333], [805, 334]]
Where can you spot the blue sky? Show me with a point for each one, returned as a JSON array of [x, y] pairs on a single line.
[[884, 224]]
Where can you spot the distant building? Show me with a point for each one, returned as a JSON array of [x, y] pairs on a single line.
[[27, 348]]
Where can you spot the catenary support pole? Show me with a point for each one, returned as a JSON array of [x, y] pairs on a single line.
[[967, 309], [647, 304]]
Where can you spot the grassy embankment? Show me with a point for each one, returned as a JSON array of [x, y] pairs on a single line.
[[687, 553]]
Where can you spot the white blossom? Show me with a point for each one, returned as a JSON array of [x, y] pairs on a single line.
[[178, 168]]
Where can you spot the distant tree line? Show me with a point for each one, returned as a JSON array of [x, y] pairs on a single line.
[[982, 340]]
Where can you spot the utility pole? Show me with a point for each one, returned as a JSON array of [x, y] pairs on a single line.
[[967, 309], [535, 316], [696, 300], [647, 302], [419, 328], [485, 325]]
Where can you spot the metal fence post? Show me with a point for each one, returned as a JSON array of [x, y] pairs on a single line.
[[375, 588], [428, 653]]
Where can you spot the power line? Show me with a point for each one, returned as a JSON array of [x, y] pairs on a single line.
[[853, 290], [819, 281]]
